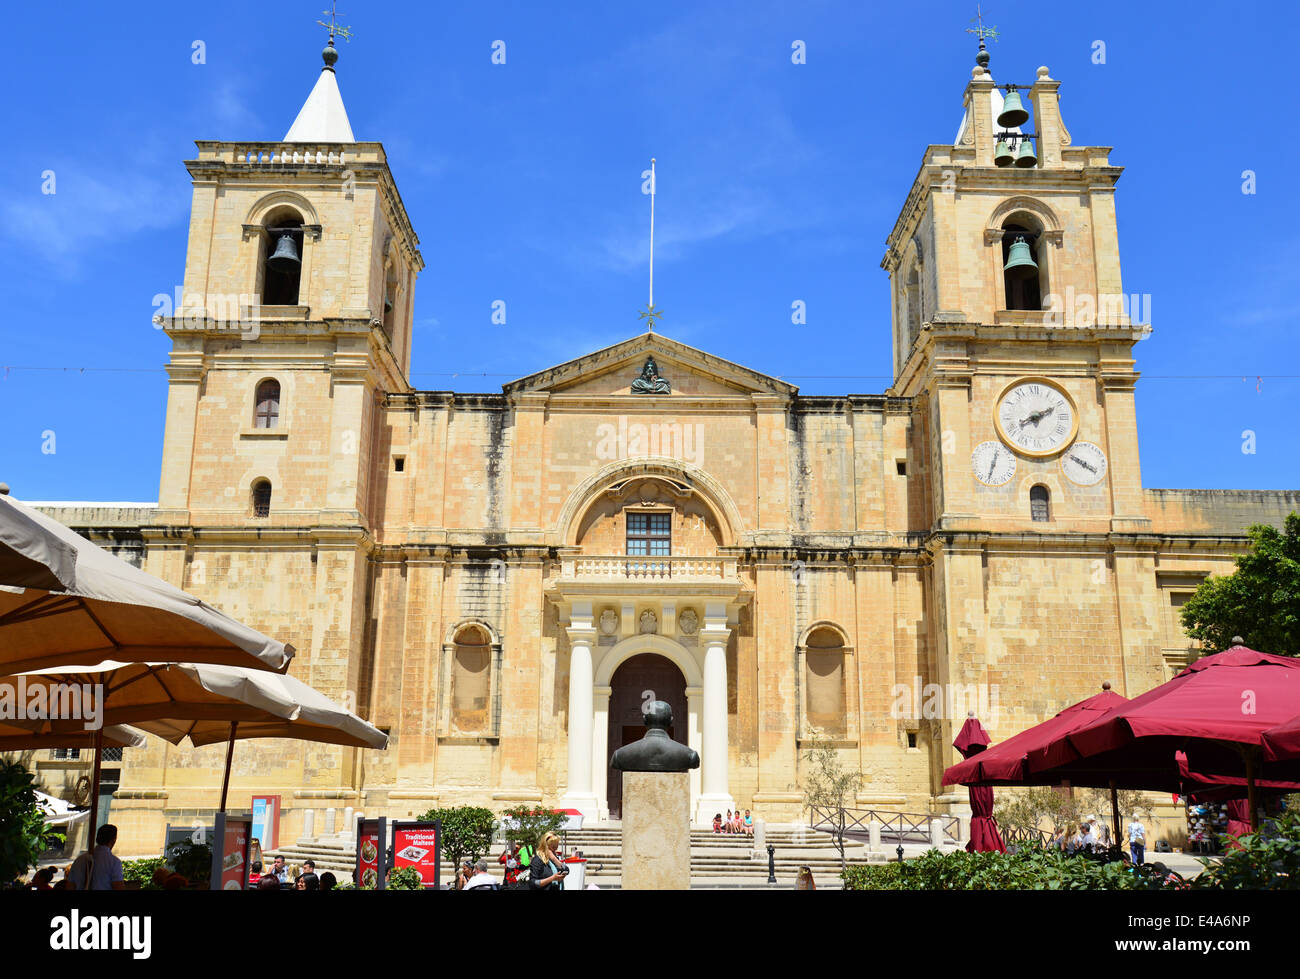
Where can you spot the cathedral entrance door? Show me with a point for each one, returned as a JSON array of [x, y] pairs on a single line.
[[635, 683]]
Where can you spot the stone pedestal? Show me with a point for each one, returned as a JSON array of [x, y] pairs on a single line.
[[760, 838], [656, 831], [308, 825], [936, 833], [873, 836]]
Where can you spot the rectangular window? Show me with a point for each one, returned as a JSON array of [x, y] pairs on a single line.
[[649, 534]]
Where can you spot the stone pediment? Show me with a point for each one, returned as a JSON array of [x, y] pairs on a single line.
[[613, 370]]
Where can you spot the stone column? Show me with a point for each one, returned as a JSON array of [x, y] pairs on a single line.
[[694, 713], [715, 796], [330, 828], [600, 749], [582, 636], [308, 825]]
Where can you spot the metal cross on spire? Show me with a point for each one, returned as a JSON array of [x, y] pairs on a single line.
[[650, 314], [333, 15]]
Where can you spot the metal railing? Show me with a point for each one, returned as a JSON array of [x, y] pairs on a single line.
[[1019, 834], [901, 827]]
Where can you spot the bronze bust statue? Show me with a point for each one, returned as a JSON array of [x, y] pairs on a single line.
[[656, 751], [650, 382]]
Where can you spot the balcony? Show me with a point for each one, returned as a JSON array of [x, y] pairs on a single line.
[[642, 568]]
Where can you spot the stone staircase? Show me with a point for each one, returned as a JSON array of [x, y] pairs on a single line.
[[717, 860]]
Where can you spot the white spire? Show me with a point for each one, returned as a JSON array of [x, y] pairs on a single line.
[[322, 118]]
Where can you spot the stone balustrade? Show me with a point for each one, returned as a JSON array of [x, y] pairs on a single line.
[[648, 568]]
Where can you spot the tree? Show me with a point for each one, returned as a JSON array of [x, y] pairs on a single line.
[[23, 834], [829, 786], [467, 831], [526, 825], [1260, 601]]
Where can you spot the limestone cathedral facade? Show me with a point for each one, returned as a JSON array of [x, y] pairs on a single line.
[[502, 580]]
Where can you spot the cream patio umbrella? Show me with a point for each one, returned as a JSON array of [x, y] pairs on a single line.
[[318, 719], [159, 697], [88, 606], [30, 556]]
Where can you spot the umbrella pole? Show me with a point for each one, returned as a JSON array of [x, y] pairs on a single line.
[[1250, 792], [230, 751], [94, 788], [1114, 811]]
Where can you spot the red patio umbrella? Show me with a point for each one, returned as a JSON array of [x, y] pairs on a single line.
[[972, 740], [1282, 743], [1218, 708], [1005, 762]]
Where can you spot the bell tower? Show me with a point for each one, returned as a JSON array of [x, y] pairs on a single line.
[[1010, 329], [293, 322]]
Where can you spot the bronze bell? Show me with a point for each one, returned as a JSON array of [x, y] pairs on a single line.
[[1020, 260], [285, 258], [1013, 111]]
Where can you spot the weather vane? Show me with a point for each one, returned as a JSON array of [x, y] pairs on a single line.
[[332, 14], [980, 30], [650, 314]]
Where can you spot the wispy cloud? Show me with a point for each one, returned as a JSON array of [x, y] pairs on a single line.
[[86, 210]]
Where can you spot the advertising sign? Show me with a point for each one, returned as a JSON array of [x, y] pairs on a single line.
[[266, 821], [417, 844], [230, 862], [372, 855]]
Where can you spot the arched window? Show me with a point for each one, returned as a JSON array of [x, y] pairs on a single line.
[[827, 704], [471, 681], [262, 498], [267, 413], [390, 301], [1024, 283], [913, 309], [281, 259], [1040, 503]]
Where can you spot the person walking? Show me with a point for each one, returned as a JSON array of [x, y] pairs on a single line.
[[1137, 841], [513, 865], [546, 873]]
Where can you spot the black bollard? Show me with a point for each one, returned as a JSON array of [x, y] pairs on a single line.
[[899, 851], [771, 864]]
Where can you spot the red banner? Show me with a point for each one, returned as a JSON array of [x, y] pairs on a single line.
[[416, 845], [234, 855], [368, 856]]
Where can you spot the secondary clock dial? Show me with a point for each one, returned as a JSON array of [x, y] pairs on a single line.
[[1036, 417], [994, 464], [1084, 463]]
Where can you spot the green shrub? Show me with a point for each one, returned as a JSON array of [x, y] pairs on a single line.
[[405, 879], [1260, 862], [528, 824], [467, 831], [23, 834], [191, 860], [142, 871], [1030, 868]]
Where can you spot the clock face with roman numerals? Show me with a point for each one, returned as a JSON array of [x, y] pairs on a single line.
[[1036, 417]]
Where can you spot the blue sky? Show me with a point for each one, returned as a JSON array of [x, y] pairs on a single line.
[[776, 182]]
